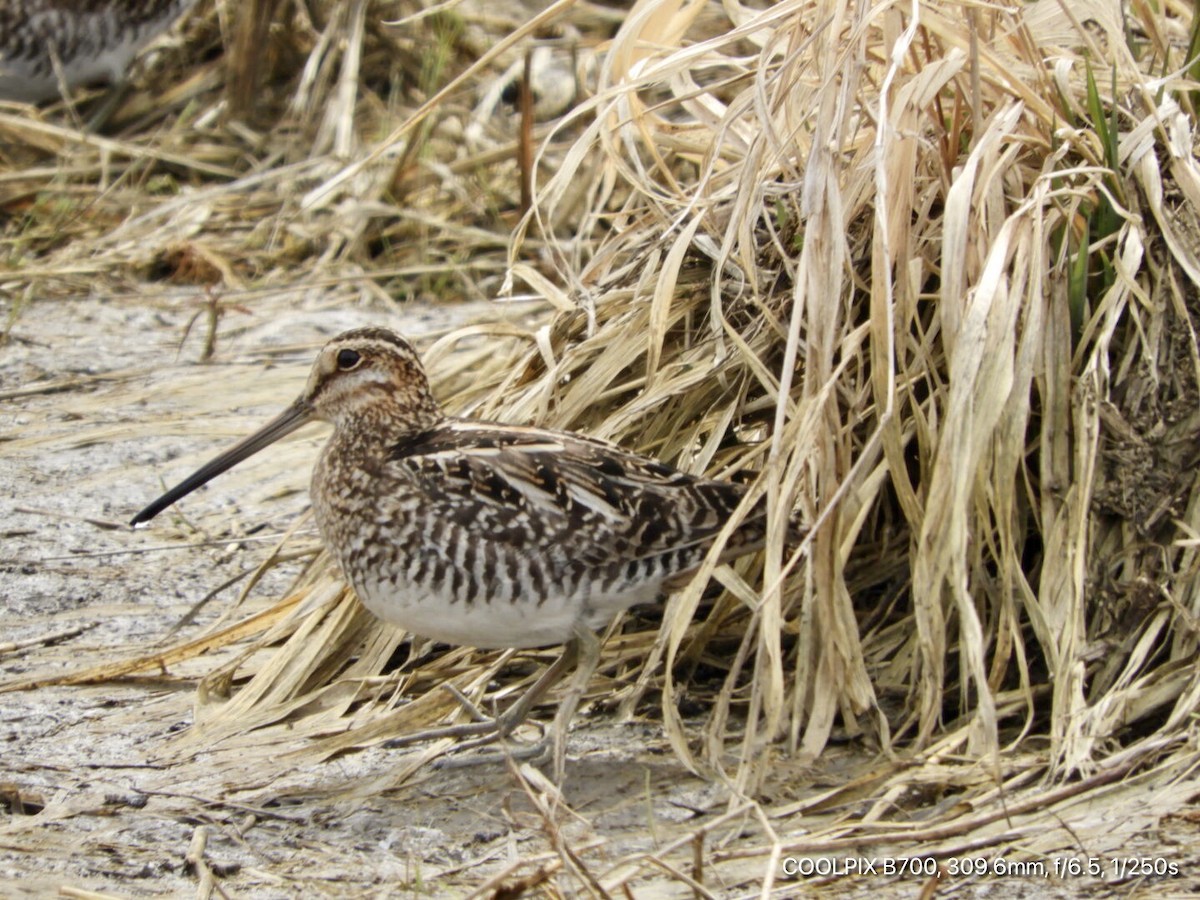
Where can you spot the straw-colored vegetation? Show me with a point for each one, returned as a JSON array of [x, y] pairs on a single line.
[[925, 273]]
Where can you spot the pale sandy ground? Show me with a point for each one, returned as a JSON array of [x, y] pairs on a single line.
[[105, 813]]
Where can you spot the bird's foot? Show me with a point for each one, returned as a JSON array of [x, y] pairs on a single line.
[[482, 732], [536, 753], [486, 729]]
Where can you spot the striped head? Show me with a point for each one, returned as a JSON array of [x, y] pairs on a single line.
[[371, 377], [369, 383]]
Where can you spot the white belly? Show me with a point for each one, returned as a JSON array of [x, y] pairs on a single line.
[[520, 624], [485, 625]]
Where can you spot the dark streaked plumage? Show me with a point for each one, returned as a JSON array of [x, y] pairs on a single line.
[[484, 534], [91, 41]]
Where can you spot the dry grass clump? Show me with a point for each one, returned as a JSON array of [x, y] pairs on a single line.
[[926, 274]]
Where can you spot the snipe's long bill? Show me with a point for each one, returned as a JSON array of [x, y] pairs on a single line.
[[483, 534], [288, 421]]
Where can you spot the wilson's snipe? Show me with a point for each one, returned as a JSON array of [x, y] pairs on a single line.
[[482, 534], [83, 40]]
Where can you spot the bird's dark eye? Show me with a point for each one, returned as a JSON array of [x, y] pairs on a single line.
[[348, 359]]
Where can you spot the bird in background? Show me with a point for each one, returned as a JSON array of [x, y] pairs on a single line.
[[483, 534], [49, 45]]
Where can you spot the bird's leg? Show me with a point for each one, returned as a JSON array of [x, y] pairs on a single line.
[[587, 653], [519, 711], [582, 651], [465, 702], [502, 725]]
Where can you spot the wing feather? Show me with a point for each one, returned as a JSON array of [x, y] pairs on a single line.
[[544, 490]]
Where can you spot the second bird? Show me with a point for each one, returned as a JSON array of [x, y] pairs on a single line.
[[83, 41]]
